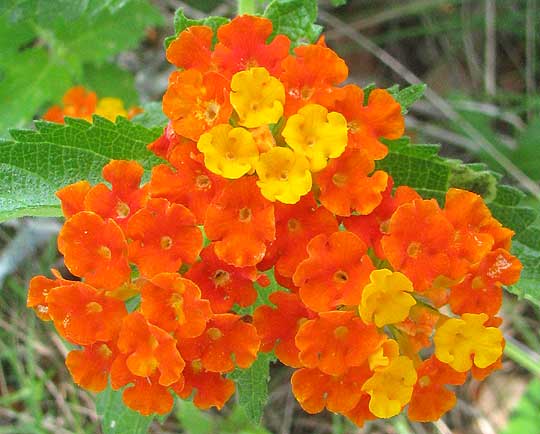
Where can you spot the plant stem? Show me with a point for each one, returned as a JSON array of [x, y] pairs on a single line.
[[522, 355], [247, 7]]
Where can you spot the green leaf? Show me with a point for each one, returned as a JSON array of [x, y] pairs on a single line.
[[408, 96], [35, 164], [27, 82], [45, 55], [117, 418], [193, 420], [420, 167], [337, 3], [296, 19], [525, 417], [181, 22], [152, 116], [109, 80], [252, 383], [252, 386], [95, 38], [525, 156]]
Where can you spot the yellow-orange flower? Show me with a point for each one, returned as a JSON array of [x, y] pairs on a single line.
[[386, 300], [257, 97], [110, 108], [462, 341], [283, 175], [317, 134], [229, 152], [391, 388]]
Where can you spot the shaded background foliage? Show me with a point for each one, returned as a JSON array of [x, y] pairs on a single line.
[[481, 62]]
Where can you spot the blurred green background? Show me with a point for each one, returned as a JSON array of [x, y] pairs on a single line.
[[481, 61]]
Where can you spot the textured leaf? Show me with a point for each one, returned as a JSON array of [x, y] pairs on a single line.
[[408, 96], [152, 116], [35, 164], [181, 22], [295, 18], [252, 386], [420, 167], [252, 383], [117, 418]]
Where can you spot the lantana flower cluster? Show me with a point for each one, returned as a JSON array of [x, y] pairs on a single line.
[[385, 300], [79, 102]]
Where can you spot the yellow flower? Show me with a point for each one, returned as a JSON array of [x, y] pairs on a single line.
[[386, 300], [383, 355], [110, 108], [283, 175], [460, 341], [391, 388], [257, 97], [229, 152], [317, 134]]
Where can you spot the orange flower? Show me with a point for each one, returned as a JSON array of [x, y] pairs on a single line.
[[481, 290], [210, 389], [316, 390], [174, 304], [196, 102], [39, 288], [78, 103], [335, 273], [241, 221], [227, 341], [192, 49], [277, 327], [55, 113], [371, 228], [477, 231], [420, 243], [418, 328], [295, 226], [148, 350], [83, 315], [189, 183], [145, 395], [243, 44], [124, 198], [72, 197], [95, 249], [163, 237], [311, 77], [361, 413], [345, 184], [331, 342], [430, 398], [380, 118], [167, 142], [223, 284], [90, 366]]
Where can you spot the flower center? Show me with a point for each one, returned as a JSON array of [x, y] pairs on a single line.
[[244, 215], [104, 252], [94, 307], [341, 276], [166, 242], [221, 277], [414, 249], [293, 225], [202, 182], [339, 179], [122, 209]]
